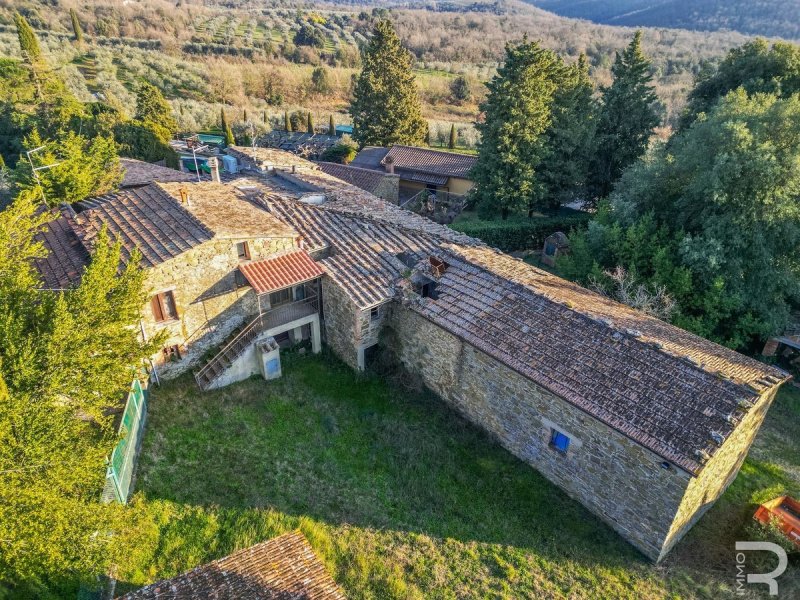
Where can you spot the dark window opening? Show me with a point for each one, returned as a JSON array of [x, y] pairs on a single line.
[[374, 314], [429, 290], [280, 297], [164, 308], [559, 441], [243, 251]]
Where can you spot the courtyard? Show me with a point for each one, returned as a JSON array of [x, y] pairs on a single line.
[[404, 499]]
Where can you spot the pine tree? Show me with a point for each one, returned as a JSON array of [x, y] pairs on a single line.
[[386, 108], [452, 142], [287, 122], [331, 126], [310, 124], [152, 107], [570, 137], [226, 128], [28, 43], [517, 115], [76, 25], [627, 118]]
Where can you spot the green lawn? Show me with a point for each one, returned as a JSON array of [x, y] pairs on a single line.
[[403, 499]]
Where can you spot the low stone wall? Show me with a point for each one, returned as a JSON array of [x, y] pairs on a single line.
[[617, 479]]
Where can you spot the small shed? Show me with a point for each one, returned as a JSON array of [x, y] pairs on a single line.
[[555, 245]]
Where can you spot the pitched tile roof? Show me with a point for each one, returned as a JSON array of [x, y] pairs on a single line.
[[358, 253], [138, 172], [146, 218], [370, 157], [366, 179], [622, 367], [425, 160], [66, 257], [280, 271], [283, 568], [228, 211]]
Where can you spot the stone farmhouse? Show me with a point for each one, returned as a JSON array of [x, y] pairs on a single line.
[[643, 423]]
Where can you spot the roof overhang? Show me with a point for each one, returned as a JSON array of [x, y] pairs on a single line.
[[281, 271]]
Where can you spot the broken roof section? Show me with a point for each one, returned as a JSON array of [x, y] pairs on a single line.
[[280, 271], [283, 568]]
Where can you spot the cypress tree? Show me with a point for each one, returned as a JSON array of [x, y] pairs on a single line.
[[310, 124], [152, 107], [331, 126], [76, 25], [226, 128], [244, 115], [27, 39], [517, 114], [452, 142], [627, 118], [264, 116], [570, 137], [287, 123], [386, 108]]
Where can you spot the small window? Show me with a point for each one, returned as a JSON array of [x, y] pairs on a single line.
[[559, 441], [375, 314], [243, 251], [280, 297], [164, 309], [171, 353]]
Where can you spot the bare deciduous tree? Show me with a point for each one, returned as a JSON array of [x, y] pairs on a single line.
[[622, 286]]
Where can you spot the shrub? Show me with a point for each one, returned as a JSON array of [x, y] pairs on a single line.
[[340, 153], [521, 233]]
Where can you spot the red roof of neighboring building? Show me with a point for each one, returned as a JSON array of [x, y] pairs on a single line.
[[279, 272]]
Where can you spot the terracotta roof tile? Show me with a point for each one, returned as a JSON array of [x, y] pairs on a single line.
[[281, 271], [283, 568]]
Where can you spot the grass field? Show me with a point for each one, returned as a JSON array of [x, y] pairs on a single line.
[[403, 499]]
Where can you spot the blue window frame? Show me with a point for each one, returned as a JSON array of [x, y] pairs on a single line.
[[559, 441]]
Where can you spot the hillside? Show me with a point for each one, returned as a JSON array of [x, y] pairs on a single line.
[[260, 59], [774, 18]]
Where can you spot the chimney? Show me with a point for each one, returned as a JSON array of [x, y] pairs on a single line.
[[184, 193], [388, 162], [213, 164], [438, 266]]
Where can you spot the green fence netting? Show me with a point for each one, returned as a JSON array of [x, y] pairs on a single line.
[[119, 472]]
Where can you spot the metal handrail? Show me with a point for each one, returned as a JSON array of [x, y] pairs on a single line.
[[258, 325]]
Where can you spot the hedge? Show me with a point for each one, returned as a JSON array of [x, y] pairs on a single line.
[[521, 233]]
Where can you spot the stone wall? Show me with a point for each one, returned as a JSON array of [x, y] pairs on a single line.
[[340, 317], [209, 304], [620, 481], [719, 472], [388, 188]]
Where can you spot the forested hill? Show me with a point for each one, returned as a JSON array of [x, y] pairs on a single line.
[[774, 18]]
